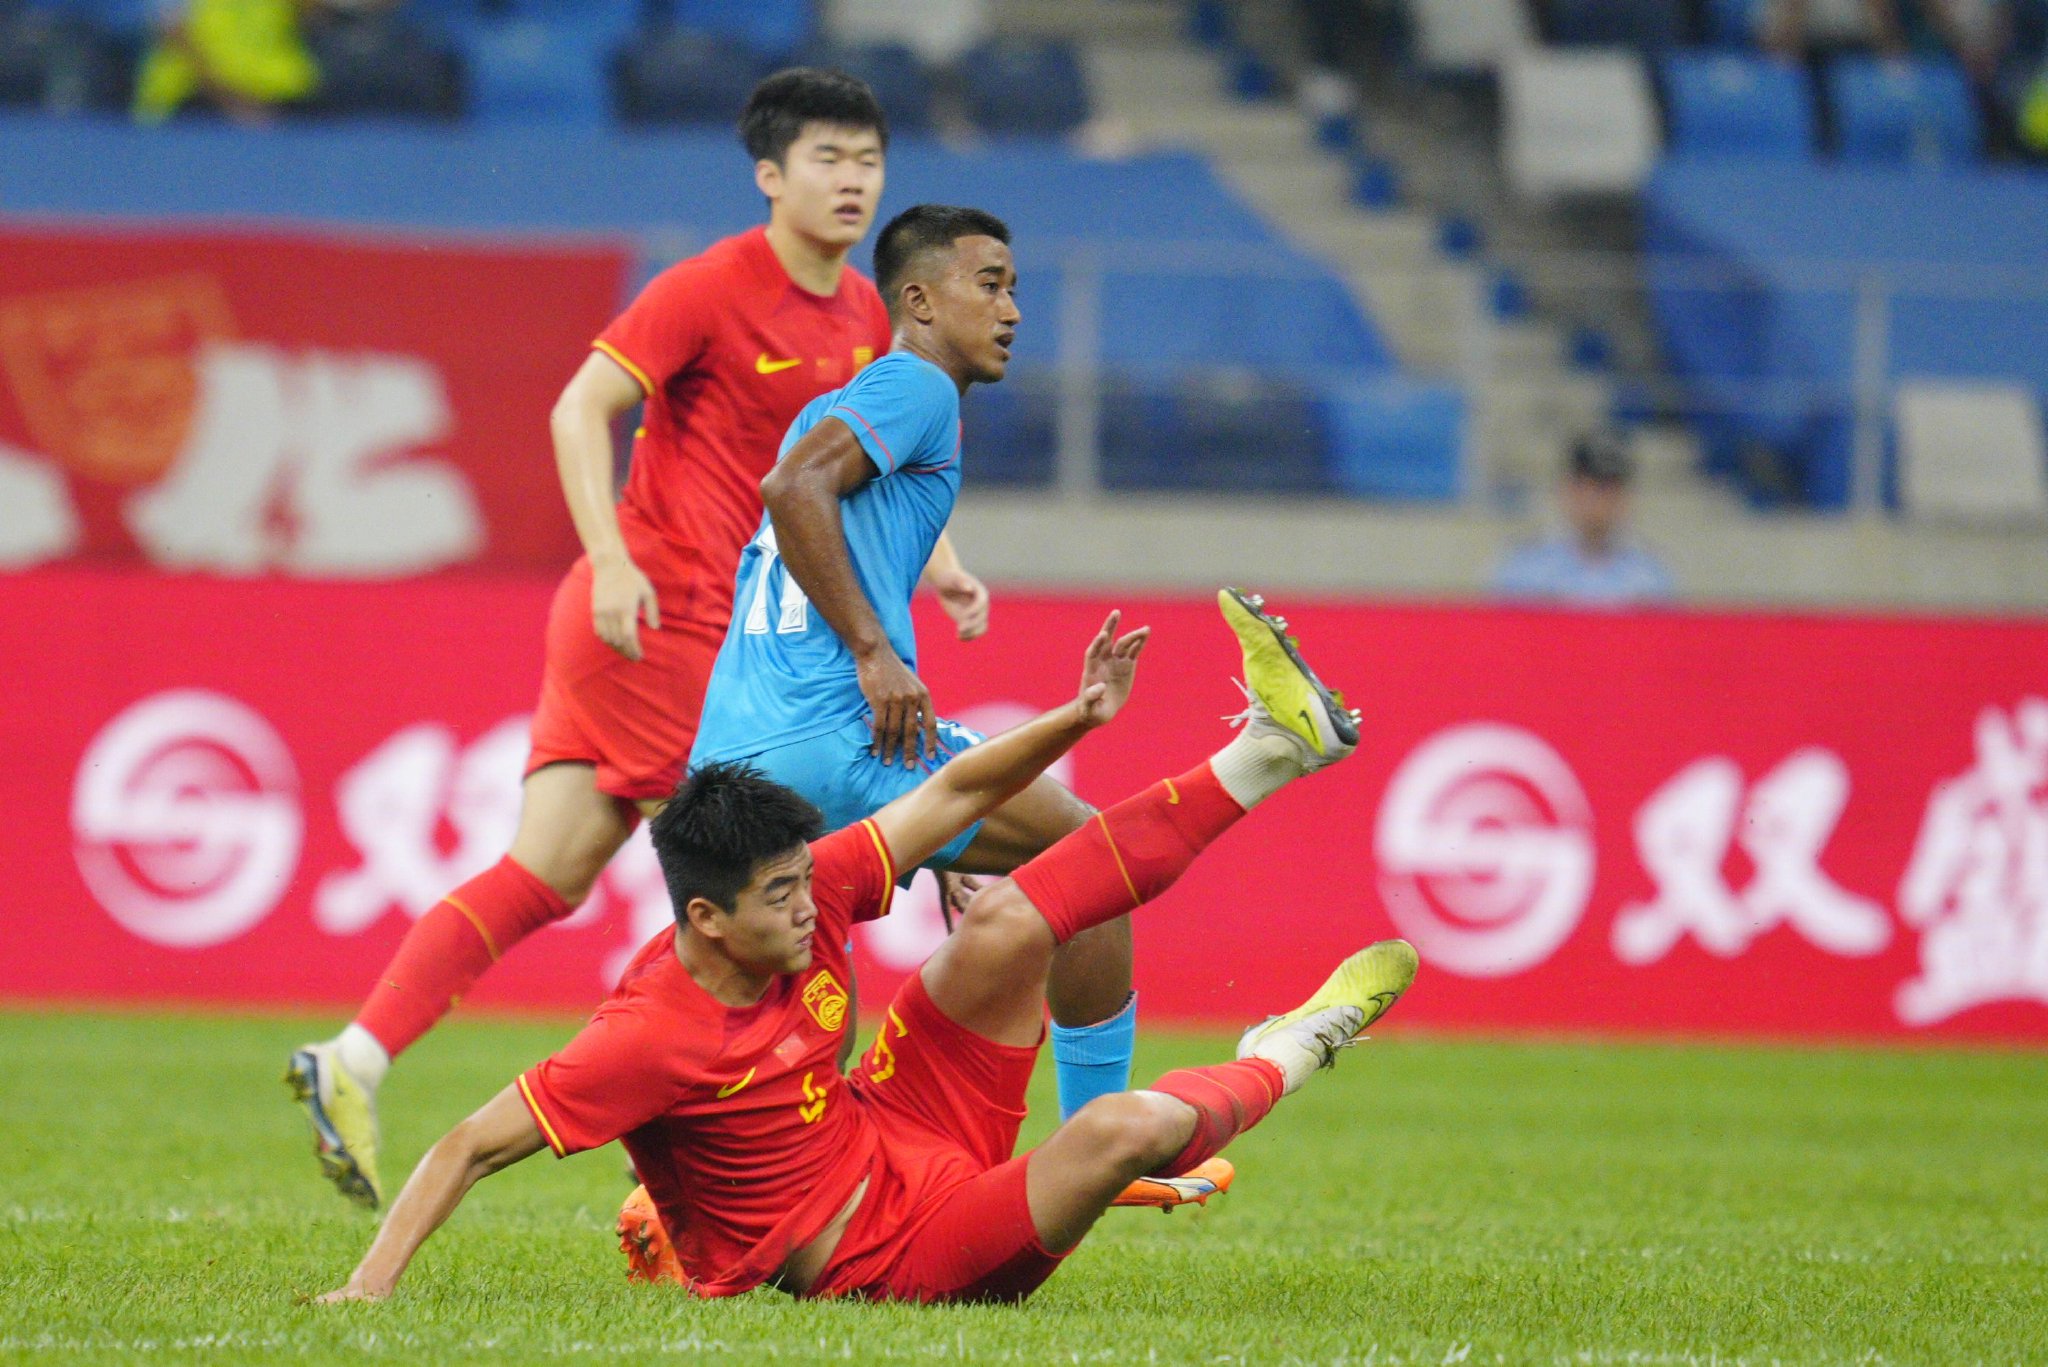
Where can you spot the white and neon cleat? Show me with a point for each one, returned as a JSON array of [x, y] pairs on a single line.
[[343, 1113], [1283, 695], [1208, 1178], [1361, 990]]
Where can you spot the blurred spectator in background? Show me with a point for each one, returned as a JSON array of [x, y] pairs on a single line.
[[244, 59], [1592, 563]]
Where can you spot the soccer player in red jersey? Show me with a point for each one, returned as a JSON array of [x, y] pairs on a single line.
[[716, 1060], [723, 350]]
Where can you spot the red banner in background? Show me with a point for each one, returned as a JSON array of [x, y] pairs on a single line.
[[293, 402], [244, 791]]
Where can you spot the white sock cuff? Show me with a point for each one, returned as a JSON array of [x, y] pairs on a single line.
[[360, 1053], [1252, 770]]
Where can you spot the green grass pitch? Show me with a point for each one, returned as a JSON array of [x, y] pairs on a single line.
[[1434, 1200]]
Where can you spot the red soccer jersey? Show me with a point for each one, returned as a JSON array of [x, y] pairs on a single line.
[[727, 348], [737, 1119]]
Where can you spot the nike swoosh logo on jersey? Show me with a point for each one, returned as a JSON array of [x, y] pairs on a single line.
[[764, 366], [724, 1092]]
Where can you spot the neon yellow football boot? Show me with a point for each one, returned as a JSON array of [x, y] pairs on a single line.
[[343, 1113], [1361, 990], [1285, 696]]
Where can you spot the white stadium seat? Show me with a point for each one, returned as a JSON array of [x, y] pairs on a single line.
[[1971, 450], [1466, 36], [1579, 121]]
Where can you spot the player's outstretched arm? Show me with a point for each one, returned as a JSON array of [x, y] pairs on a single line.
[[802, 495], [497, 1136], [921, 822]]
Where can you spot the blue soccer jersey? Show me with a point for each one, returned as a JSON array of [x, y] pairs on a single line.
[[783, 674]]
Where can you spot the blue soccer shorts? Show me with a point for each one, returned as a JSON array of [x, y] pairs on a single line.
[[847, 783]]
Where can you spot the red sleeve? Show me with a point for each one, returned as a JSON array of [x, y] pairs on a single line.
[[664, 331], [853, 876], [613, 1077], [885, 335]]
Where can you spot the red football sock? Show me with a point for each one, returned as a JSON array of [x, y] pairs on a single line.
[[443, 955], [1129, 854], [1229, 1098]]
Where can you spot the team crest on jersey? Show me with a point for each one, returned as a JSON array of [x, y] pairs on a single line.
[[862, 355], [825, 999]]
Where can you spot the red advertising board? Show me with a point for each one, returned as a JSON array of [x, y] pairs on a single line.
[[298, 402], [244, 790]]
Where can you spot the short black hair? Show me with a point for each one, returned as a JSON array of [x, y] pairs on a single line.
[[922, 227], [724, 820], [782, 104]]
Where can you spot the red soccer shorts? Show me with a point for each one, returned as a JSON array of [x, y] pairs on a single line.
[[944, 1217], [634, 719]]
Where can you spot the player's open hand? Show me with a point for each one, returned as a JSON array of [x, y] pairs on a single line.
[[965, 600], [1109, 670], [902, 709], [621, 598]]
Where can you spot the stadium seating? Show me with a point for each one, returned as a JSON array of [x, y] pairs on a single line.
[[1395, 438], [1215, 430], [1577, 122], [535, 71], [1900, 111], [1723, 104], [891, 70], [378, 64], [1021, 86], [1732, 23], [1466, 37], [774, 28], [58, 63], [1647, 25], [1972, 450], [679, 75], [1759, 332]]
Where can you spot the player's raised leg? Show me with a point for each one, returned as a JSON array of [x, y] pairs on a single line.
[[568, 831], [1190, 1114]]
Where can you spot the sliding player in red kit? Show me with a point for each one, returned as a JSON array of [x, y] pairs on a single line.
[[723, 350], [716, 1060]]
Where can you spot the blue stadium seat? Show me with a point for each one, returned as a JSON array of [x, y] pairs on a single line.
[[1646, 25], [1397, 438], [1902, 111], [115, 16], [891, 70], [777, 28], [1732, 23], [1011, 431], [59, 63], [1015, 85], [1722, 104], [1219, 430], [533, 71], [378, 63], [679, 75]]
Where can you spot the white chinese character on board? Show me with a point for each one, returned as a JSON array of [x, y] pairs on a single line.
[[310, 463], [1977, 885], [1684, 834]]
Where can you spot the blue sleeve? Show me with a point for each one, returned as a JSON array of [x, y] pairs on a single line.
[[905, 416]]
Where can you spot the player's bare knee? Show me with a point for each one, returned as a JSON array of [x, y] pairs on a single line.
[[1002, 911], [1133, 1131]]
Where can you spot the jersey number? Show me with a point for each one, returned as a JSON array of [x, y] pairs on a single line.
[[796, 608]]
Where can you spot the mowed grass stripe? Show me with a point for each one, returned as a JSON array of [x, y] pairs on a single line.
[[1432, 1200]]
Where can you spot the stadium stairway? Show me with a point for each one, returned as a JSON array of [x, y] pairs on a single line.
[[1154, 87]]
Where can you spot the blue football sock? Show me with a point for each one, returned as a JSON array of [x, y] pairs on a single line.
[[1094, 1060]]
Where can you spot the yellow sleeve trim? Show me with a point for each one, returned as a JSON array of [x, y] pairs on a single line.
[[1118, 855], [490, 945], [547, 1130], [888, 864], [646, 385]]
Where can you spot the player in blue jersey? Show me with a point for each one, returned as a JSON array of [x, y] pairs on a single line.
[[816, 684]]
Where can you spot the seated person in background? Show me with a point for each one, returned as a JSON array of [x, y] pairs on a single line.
[[1591, 563], [243, 59]]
